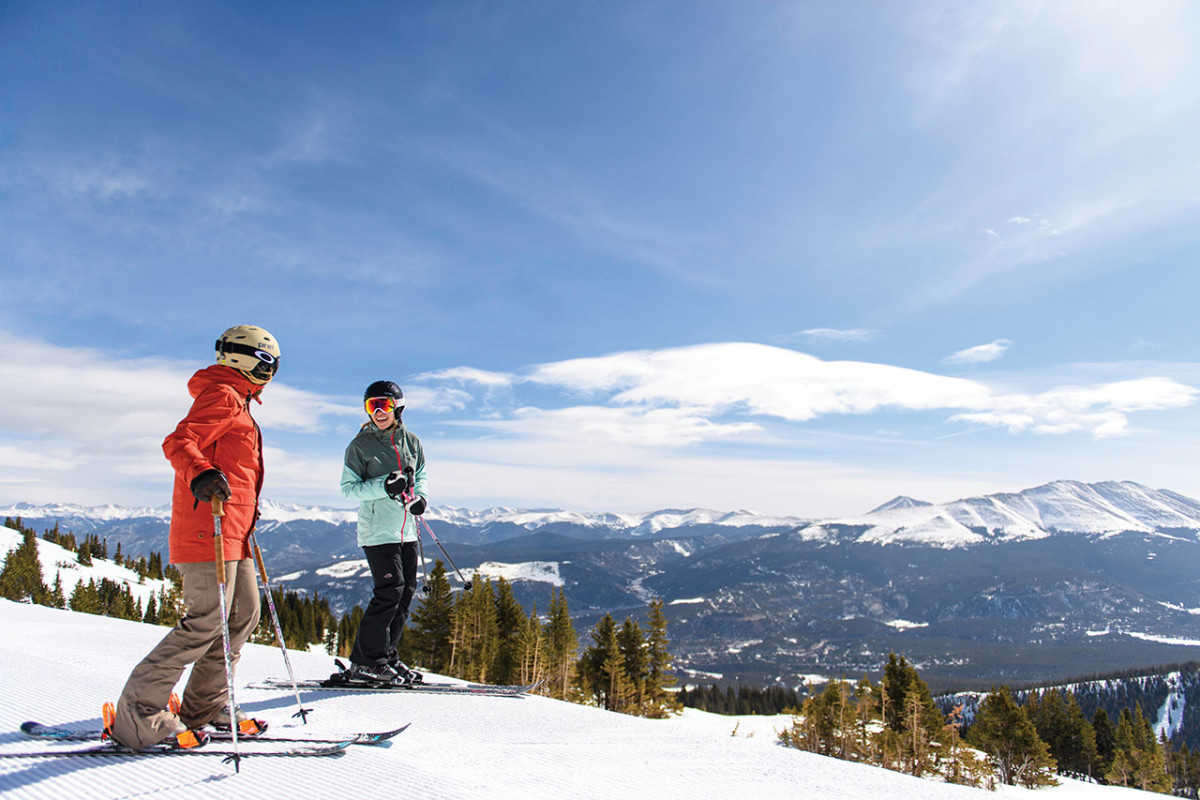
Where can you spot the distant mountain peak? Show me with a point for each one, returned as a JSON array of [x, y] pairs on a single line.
[[1059, 507], [899, 501]]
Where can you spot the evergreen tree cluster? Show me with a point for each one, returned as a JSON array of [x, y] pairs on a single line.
[[1117, 745], [108, 598], [21, 579], [897, 725], [303, 620], [746, 700], [628, 670], [484, 635]]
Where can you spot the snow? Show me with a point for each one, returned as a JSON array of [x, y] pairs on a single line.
[[1170, 715], [456, 747], [1100, 509], [1103, 509], [543, 571], [634, 524], [1173, 640], [346, 569], [904, 624], [58, 561]]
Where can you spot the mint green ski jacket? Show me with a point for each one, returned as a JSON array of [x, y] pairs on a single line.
[[370, 457]]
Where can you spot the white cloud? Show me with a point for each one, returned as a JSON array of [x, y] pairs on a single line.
[[758, 379], [980, 353], [77, 420], [722, 382], [491, 380], [836, 336]]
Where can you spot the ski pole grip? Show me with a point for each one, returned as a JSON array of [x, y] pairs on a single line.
[[218, 509]]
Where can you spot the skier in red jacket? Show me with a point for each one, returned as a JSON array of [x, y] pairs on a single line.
[[216, 451]]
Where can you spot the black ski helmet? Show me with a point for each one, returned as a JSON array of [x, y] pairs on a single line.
[[385, 389]]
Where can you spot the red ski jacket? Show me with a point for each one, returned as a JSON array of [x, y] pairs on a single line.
[[217, 432]]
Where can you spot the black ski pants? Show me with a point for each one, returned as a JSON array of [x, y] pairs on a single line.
[[394, 571]]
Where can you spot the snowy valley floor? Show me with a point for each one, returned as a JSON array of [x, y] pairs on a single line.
[[58, 667]]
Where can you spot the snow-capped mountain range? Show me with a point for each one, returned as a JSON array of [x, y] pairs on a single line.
[[1058, 507], [1104, 508], [1059, 579], [631, 524]]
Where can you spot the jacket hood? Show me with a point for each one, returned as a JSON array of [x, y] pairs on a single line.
[[219, 375]]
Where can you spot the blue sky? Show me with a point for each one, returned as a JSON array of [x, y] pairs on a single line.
[[791, 257]]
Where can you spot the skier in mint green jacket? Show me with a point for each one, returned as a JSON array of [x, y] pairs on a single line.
[[385, 472]]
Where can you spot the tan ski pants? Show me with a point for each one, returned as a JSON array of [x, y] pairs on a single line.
[[142, 718]]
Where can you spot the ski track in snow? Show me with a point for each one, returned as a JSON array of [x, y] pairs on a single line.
[[58, 667]]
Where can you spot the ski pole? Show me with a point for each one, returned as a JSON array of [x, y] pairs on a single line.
[[438, 542], [405, 496], [218, 511], [302, 712], [425, 587]]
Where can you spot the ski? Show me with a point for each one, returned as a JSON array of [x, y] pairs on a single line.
[[333, 684], [60, 733], [114, 749]]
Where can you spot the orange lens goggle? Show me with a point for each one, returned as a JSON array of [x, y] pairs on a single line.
[[374, 404]]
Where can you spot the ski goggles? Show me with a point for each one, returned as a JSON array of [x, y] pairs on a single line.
[[374, 404], [267, 365]]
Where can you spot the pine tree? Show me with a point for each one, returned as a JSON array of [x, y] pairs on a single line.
[[170, 605], [476, 635], [1004, 732], [86, 598], [659, 678], [531, 650], [601, 673], [58, 598], [910, 713], [84, 555], [1106, 739], [1061, 725], [827, 723], [432, 623], [21, 578], [868, 712], [561, 646], [510, 622], [633, 664], [347, 631]]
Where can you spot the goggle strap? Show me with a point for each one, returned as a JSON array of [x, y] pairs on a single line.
[[246, 350]]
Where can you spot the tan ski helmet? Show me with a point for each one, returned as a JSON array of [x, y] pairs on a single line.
[[250, 350]]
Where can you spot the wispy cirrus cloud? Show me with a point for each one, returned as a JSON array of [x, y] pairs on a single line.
[[686, 395], [1068, 123], [979, 354], [832, 336]]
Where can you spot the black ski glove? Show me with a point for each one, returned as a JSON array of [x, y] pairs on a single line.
[[416, 506], [209, 484], [396, 484]]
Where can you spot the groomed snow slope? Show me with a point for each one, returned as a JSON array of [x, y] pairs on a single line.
[[59, 666]]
